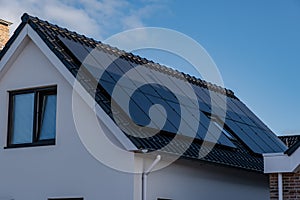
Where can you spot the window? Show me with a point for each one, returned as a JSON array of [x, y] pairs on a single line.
[[32, 117]]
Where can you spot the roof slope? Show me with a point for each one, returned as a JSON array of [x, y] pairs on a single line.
[[248, 137]]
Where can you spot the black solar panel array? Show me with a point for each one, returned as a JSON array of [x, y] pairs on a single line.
[[239, 120], [109, 70]]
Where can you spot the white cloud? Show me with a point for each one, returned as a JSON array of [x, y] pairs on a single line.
[[94, 18]]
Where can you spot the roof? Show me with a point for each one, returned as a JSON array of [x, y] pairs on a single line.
[[249, 139], [292, 142]]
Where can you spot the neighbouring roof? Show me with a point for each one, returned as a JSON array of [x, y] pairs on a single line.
[[250, 136], [4, 22], [289, 140], [292, 142]]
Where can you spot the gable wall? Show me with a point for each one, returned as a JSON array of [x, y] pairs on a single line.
[[63, 170]]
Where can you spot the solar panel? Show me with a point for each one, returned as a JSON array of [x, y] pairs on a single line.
[[204, 107], [218, 99], [203, 99], [202, 94], [243, 110], [271, 139], [172, 114], [108, 86], [77, 49], [277, 143], [233, 116], [234, 113], [263, 144], [188, 130], [242, 135]]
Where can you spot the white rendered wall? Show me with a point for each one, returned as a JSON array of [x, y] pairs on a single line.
[[194, 180], [63, 170]]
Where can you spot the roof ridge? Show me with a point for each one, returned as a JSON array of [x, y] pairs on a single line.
[[73, 35]]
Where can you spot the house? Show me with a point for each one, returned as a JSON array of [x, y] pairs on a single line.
[[283, 170], [65, 134]]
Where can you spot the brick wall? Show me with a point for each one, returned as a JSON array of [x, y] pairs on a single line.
[[273, 181], [291, 186], [4, 34]]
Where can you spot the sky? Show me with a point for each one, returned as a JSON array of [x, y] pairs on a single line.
[[255, 44]]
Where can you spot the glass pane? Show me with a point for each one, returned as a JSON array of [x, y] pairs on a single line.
[[22, 119], [48, 117]]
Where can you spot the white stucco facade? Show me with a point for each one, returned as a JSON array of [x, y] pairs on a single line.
[[67, 169]]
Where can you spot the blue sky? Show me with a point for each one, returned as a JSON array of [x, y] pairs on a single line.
[[255, 44]]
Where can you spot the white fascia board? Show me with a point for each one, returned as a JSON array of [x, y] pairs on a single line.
[[281, 163], [109, 123]]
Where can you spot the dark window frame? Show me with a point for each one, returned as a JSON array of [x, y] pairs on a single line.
[[38, 93]]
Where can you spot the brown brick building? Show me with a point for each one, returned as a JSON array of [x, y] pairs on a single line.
[[284, 170], [4, 32]]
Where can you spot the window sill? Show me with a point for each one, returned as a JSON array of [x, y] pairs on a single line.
[[37, 144]]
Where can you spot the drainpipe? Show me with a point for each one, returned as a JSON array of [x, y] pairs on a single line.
[[280, 193], [145, 174]]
